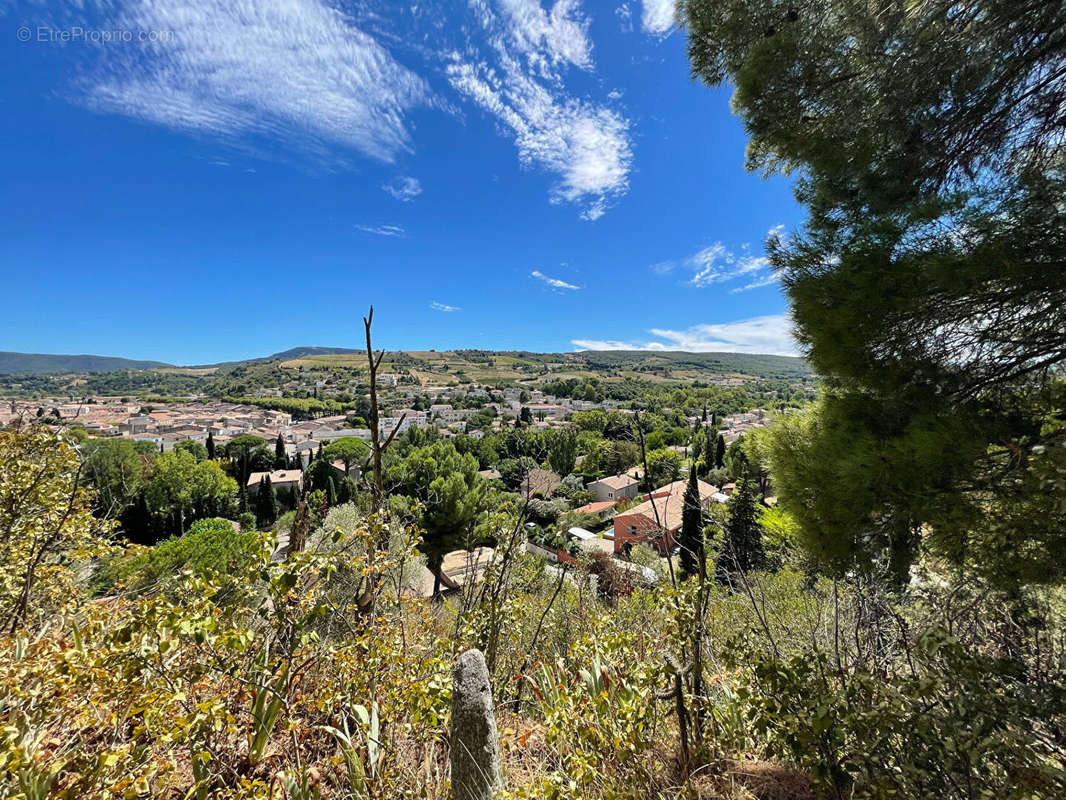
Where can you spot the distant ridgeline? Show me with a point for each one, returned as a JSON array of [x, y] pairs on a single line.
[[335, 374], [41, 363]]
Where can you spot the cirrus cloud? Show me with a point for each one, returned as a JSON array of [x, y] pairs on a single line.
[[518, 79], [298, 72], [403, 188], [717, 263], [555, 283], [382, 230]]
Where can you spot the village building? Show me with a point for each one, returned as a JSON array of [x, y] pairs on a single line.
[[657, 520], [291, 479], [615, 487]]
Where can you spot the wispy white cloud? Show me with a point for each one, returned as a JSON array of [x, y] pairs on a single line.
[[765, 280], [555, 283], [717, 263], [548, 39], [519, 80], [403, 188], [771, 334], [708, 264], [657, 16], [443, 307], [294, 72], [382, 230]]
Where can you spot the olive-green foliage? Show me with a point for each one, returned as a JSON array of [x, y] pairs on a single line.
[[46, 526], [116, 469], [664, 466], [562, 450], [181, 490], [196, 449], [958, 726], [211, 545]]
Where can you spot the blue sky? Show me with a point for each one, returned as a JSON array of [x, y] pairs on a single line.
[[204, 180]]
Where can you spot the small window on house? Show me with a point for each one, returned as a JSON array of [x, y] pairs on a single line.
[[610, 495], [631, 528]]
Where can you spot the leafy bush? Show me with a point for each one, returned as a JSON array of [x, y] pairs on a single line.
[[211, 545], [46, 525]]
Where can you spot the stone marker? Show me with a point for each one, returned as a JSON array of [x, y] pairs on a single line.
[[475, 753]]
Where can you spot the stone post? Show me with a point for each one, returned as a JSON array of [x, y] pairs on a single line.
[[475, 753]]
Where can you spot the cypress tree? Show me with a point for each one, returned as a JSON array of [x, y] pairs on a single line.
[[742, 548], [272, 502], [719, 452], [281, 458], [331, 492], [211, 445], [320, 455], [266, 503], [691, 539], [697, 449]]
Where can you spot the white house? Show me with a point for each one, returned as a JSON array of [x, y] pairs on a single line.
[[615, 487]]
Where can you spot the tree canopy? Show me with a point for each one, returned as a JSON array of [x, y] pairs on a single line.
[[349, 449], [928, 283]]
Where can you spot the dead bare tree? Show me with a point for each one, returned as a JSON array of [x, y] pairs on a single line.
[[693, 668], [301, 524], [377, 450]]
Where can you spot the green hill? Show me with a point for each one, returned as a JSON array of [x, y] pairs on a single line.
[[43, 363]]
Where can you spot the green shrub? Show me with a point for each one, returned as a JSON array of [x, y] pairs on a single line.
[[210, 545], [954, 725]]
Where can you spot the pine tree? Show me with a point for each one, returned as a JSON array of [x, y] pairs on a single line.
[[281, 458], [691, 539], [742, 548], [211, 445]]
